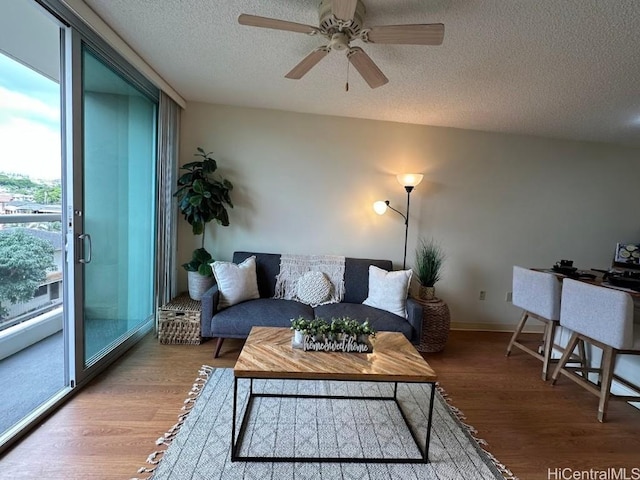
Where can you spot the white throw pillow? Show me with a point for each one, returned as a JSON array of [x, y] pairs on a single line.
[[313, 288], [236, 283], [388, 290]]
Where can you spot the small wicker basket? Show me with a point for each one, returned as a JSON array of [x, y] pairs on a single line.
[[179, 321], [436, 321]]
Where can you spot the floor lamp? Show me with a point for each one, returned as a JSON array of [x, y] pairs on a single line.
[[409, 181]]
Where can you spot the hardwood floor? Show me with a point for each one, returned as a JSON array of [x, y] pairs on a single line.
[[108, 429]]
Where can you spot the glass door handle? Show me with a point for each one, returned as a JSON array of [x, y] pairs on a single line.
[[82, 238]]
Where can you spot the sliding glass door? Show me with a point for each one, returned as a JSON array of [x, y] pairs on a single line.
[[78, 184], [33, 330], [114, 208]]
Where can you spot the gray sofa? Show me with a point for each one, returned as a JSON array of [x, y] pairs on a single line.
[[236, 321]]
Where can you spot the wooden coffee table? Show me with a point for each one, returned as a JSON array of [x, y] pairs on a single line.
[[267, 354]]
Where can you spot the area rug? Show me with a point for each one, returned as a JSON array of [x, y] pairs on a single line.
[[198, 446]]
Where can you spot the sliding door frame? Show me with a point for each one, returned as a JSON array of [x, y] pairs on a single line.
[[76, 33], [113, 325], [72, 148], [73, 33], [87, 368]]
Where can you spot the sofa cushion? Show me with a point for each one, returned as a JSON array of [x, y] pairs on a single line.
[[389, 290], [236, 283], [380, 320], [236, 322], [356, 277]]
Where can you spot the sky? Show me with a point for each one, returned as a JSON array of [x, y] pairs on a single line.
[[29, 122]]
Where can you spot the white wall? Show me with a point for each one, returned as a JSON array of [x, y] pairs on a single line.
[[305, 184]]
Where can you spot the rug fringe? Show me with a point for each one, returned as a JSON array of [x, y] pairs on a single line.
[[482, 443], [165, 440]]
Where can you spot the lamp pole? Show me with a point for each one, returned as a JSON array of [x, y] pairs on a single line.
[[408, 181], [409, 189], [406, 225]]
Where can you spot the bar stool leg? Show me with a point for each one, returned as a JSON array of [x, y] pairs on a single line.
[[549, 341], [518, 331], [608, 363], [582, 351], [573, 341]]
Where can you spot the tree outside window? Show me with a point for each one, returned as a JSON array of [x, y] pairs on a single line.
[[24, 262]]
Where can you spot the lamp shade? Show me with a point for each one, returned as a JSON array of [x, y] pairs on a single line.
[[380, 207], [409, 179]]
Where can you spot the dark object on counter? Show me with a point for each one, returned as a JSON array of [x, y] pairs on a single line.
[[583, 274], [565, 270], [573, 272], [624, 279]]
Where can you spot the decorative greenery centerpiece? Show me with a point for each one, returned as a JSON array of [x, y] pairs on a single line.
[[429, 262], [343, 334], [202, 199]]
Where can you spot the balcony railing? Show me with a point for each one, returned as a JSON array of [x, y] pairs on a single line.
[[30, 218]]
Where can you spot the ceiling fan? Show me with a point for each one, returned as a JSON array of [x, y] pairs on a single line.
[[341, 22]]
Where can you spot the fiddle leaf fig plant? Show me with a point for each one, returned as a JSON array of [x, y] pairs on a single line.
[[200, 262], [203, 197]]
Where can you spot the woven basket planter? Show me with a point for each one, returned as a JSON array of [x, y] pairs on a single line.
[[436, 321], [428, 294]]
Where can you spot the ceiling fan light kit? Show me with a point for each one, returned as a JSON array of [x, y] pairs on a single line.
[[340, 23]]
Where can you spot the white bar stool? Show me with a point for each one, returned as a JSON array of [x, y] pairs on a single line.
[[538, 294], [602, 317]]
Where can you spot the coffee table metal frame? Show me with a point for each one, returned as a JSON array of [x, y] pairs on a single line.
[[236, 443]]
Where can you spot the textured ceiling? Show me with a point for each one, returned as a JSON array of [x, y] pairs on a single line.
[[554, 68]]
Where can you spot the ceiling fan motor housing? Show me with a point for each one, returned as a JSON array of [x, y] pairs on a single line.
[[339, 41], [331, 25]]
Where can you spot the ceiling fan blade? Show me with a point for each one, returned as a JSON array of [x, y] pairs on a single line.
[[366, 67], [421, 34], [264, 22], [344, 9], [307, 63]]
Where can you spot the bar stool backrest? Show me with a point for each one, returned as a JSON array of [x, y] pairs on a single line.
[[536, 292], [600, 313]]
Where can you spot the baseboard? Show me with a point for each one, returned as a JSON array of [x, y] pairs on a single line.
[[494, 327]]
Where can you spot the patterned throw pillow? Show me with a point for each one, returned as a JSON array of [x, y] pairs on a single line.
[[314, 288]]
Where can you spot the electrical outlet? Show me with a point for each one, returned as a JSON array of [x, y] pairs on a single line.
[[483, 295], [509, 297]]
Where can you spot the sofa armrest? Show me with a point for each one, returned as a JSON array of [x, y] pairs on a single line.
[[414, 317], [208, 306]]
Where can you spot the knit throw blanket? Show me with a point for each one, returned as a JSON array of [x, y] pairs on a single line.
[[292, 267]]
